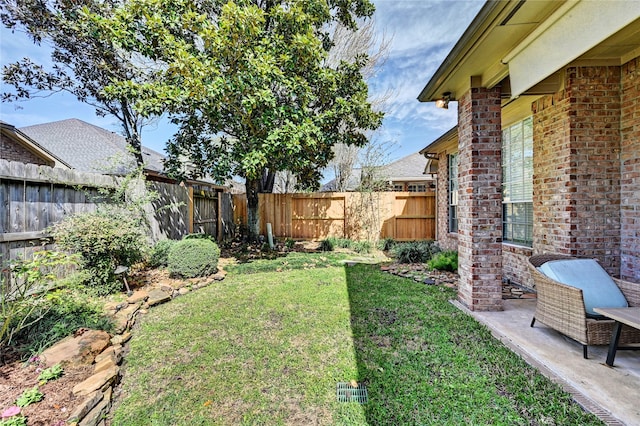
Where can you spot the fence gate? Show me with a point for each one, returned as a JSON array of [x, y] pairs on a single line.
[[205, 212]]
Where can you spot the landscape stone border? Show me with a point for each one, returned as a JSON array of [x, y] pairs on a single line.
[[106, 352]]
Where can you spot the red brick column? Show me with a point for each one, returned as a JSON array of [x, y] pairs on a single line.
[[480, 206]]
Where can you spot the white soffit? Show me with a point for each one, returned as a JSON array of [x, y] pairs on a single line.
[[571, 31]]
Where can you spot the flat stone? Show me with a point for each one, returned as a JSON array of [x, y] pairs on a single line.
[[96, 415], [119, 339], [85, 407], [104, 364], [123, 318], [429, 281], [77, 350], [97, 381], [158, 296], [183, 291], [138, 296], [112, 352]]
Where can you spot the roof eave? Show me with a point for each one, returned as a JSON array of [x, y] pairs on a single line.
[[483, 20]]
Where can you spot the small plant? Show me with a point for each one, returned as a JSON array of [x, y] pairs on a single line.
[[29, 397], [386, 244], [415, 251], [361, 246], [12, 417], [343, 243], [289, 243], [23, 300], [160, 253], [193, 258], [50, 374], [327, 245], [445, 261]]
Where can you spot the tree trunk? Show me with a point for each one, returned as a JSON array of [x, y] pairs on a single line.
[[253, 219]]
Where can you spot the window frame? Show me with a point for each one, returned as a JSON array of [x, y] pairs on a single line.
[[453, 196], [517, 183]]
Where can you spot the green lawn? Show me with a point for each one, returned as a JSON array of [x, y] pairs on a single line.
[[269, 348]]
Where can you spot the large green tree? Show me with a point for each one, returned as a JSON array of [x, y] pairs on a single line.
[[248, 83], [82, 63]]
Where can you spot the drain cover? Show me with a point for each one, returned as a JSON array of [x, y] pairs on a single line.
[[347, 393]]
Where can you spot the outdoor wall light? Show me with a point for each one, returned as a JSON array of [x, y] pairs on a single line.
[[444, 102]]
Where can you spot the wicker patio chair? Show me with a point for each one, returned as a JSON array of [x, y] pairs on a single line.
[[561, 307]]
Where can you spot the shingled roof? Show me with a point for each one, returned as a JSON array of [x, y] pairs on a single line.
[[89, 148], [409, 168]]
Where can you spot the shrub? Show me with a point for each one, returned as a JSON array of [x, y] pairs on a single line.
[[361, 246], [160, 253], [289, 243], [386, 244], [193, 258], [343, 243], [415, 251], [104, 240], [445, 261], [327, 245]]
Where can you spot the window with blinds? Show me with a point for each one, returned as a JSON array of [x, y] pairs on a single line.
[[453, 192], [517, 182]]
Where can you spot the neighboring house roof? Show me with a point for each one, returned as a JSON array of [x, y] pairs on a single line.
[[409, 168], [28, 143], [530, 41], [89, 148]]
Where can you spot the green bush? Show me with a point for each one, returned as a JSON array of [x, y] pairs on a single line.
[[343, 243], [160, 253], [327, 245], [361, 246], [415, 251], [193, 258], [103, 240], [386, 244], [445, 261]]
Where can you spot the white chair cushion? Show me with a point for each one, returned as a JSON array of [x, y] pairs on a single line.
[[598, 289]]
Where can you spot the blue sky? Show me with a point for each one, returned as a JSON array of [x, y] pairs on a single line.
[[422, 33]]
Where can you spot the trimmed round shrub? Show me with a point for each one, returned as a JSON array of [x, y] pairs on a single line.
[[160, 253], [193, 258]]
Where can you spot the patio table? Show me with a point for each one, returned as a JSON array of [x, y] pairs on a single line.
[[629, 316]]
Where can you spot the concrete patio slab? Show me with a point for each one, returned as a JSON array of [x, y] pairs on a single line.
[[613, 394]]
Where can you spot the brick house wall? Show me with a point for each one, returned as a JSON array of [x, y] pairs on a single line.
[[630, 171], [14, 151], [576, 143], [480, 199]]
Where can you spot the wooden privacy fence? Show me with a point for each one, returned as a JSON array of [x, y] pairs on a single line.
[[403, 216], [35, 197]]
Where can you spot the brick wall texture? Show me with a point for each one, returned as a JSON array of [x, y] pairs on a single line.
[[630, 172], [480, 205], [14, 151]]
